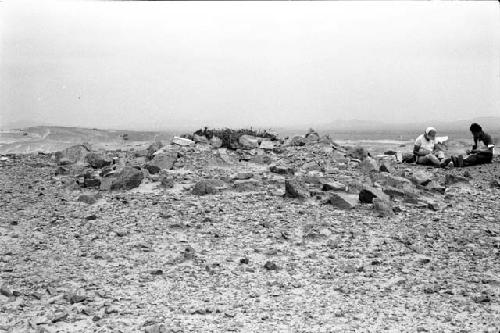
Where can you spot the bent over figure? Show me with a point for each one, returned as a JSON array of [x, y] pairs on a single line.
[[424, 148], [482, 150]]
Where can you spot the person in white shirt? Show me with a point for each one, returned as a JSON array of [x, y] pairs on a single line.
[[424, 149]]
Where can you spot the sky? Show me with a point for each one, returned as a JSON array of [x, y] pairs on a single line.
[[159, 65]]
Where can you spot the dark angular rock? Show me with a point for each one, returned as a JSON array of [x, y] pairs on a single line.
[[152, 169], [271, 266], [128, 178], [368, 193]]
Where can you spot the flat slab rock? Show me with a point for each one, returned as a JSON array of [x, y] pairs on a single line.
[[343, 200]]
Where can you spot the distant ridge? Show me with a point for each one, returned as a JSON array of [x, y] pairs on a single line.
[[489, 123]]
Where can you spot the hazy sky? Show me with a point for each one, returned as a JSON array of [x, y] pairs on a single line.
[[164, 64]]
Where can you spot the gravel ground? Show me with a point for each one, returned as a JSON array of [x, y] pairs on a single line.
[[169, 261]]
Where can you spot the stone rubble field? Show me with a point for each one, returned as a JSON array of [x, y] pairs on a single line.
[[301, 235]]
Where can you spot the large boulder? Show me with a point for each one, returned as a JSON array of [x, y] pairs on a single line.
[[73, 154], [208, 186], [164, 160], [128, 178], [248, 141], [343, 201], [97, 160], [296, 189]]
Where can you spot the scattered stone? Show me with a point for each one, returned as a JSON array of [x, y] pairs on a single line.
[[421, 177], [127, 179], [368, 164], [247, 185], [495, 183], [200, 139], [73, 154], [152, 169], [295, 189], [89, 199], [453, 179], [4, 290], [60, 317], [153, 148], [357, 152], [156, 328], [268, 145], [166, 181], [333, 186], [182, 142], [271, 266], [208, 186], [382, 207], [434, 186], [343, 201], [368, 193], [112, 309], [248, 141], [164, 160], [282, 170], [215, 142], [97, 160], [386, 168], [298, 141], [244, 175]]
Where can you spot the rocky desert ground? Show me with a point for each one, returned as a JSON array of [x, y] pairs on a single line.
[[299, 235]]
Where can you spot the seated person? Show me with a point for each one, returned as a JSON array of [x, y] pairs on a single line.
[[424, 149], [480, 153]]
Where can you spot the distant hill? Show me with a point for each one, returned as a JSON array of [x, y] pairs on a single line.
[[54, 138], [489, 123]]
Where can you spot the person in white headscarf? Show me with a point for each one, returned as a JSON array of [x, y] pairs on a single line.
[[424, 149]]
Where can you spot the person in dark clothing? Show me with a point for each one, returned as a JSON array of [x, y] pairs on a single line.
[[482, 150]]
